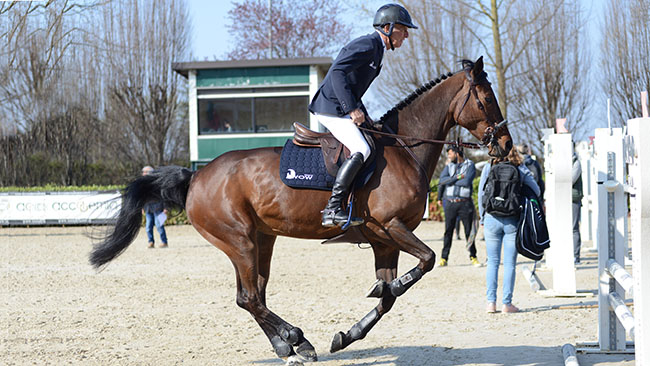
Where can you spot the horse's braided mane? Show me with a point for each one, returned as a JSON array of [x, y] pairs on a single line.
[[467, 64], [416, 93]]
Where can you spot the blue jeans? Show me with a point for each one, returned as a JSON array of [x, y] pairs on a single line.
[[500, 231], [150, 222]]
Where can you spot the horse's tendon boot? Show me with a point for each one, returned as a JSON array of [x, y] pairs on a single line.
[[377, 289], [281, 348], [399, 285], [304, 349], [358, 331]]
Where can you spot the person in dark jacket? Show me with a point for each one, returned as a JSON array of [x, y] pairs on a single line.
[[337, 104], [576, 205], [456, 186], [534, 167], [155, 214]]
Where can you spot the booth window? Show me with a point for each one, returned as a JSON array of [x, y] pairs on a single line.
[[257, 114]]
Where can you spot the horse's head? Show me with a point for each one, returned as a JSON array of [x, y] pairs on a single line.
[[477, 110]]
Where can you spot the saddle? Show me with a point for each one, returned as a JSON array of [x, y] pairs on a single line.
[[334, 152]]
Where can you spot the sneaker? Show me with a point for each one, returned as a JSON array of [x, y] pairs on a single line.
[[163, 245], [150, 246], [443, 263], [475, 262], [491, 307], [509, 308]]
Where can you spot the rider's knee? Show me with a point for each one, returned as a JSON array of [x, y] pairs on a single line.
[[365, 151]]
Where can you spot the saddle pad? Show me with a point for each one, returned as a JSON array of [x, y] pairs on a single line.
[[304, 167]]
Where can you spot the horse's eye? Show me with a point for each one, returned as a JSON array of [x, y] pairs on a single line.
[[488, 100]]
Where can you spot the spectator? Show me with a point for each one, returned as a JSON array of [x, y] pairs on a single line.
[[500, 225], [534, 167], [576, 204], [155, 214], [456, 181], [442, 203]]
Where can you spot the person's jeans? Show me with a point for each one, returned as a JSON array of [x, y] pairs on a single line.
[[576, 231], [150, 218], [500, 231]]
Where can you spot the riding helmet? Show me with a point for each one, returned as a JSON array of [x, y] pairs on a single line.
[[391, 14]]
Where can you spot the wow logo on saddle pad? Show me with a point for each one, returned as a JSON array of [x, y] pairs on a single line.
[[304, 167]]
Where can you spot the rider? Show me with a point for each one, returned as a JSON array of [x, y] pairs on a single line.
[[337, 104]]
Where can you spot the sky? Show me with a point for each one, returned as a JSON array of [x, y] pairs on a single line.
[[210, 36], [211, 40]]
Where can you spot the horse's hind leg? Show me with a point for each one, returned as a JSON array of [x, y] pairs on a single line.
[[265, 244], [265, 252], [386, 271], [252, 259]]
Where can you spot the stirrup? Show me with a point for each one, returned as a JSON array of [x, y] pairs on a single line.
[[329, 219], [352, 221]]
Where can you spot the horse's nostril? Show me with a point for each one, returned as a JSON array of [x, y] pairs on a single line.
[[508, 145]]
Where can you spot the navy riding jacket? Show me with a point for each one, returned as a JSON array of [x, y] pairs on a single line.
[[349, 77]]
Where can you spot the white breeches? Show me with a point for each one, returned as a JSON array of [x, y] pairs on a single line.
[[346, 132]]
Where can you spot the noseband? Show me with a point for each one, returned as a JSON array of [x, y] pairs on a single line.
[[489, 135]]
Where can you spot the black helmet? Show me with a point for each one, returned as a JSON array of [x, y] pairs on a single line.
[[391, 14]]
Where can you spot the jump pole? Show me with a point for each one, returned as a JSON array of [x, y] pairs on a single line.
[[615, 319], [559, 257], [612, 232], [638, 158]]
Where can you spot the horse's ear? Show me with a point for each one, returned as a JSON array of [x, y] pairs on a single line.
[[477, 70]]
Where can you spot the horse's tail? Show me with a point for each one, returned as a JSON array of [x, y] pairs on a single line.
[[165, 184]]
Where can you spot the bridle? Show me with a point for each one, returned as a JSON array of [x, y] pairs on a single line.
[[489, 136]]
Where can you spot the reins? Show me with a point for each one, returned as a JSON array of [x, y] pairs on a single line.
[[488, 138], [469, 145]]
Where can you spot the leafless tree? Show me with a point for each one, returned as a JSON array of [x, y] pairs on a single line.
[[551, 78], [518, 40], [625, 49], [87, 90], [433, 49], [46, 106], [144, 97], [292, 28], [35, 39]]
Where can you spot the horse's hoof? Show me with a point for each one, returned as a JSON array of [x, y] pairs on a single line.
[[377, 289], [306, 352], [338, 343], [294, 360]]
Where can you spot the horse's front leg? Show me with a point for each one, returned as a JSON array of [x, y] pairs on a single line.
[[395, 237], [403, 239], [386, 271]]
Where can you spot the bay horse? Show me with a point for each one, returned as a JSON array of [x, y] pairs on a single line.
[[239, 204]]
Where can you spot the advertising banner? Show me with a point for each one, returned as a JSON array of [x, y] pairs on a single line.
[[57, 208]]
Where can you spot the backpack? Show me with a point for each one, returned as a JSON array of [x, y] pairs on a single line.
[[532, 232], [502, 193]]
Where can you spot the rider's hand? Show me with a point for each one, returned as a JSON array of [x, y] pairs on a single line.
[[358, 117], [460, 176]]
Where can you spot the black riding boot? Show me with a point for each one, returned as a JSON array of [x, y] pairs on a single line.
[[334, 214]]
